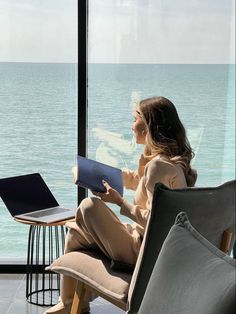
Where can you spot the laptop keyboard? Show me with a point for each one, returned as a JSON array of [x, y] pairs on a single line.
[[47, 212]]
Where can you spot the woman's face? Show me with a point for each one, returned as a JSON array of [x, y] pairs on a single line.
[[139, 129]]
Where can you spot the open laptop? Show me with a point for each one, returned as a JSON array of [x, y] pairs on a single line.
[[28, 197]]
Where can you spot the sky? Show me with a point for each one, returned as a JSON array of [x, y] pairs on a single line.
[[38, 31], [120, 31]]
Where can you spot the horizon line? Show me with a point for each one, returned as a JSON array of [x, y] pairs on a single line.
[[126, 63]]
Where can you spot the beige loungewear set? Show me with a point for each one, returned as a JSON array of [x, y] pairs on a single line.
[[97, 226]]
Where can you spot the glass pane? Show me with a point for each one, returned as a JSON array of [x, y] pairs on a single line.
[[38, 104], [183, 50]]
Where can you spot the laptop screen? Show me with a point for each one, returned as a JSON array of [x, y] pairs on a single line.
[[26, 193]]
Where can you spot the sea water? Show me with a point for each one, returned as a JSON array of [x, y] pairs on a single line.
[[38, 124]]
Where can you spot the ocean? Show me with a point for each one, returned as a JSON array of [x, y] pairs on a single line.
[[38, 124]]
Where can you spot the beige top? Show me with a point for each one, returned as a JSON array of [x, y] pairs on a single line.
[[158, 169]]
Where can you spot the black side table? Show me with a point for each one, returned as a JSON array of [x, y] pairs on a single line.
[[45, 244]]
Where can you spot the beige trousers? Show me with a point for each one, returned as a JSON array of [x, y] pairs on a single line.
[[97, 226]]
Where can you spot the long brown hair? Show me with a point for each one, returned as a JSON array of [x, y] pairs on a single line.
[[166, 134]]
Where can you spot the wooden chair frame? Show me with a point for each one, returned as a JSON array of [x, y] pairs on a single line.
[[80, 291]]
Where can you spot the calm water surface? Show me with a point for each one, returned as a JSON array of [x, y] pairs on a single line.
[[38, 117]]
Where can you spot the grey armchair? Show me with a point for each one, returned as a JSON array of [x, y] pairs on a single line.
[[212, 212], [210, 209]]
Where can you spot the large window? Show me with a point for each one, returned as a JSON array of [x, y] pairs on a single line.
[[183, 50], [38, 104]]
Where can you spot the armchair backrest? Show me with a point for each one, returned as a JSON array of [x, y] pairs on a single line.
[[211, 211]]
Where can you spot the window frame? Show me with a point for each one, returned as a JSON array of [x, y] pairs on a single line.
[[82, 133]]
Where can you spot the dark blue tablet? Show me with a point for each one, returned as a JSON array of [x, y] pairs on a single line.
[[91, 173]]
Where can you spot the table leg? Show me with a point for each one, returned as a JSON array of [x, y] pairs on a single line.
[[45, 244]]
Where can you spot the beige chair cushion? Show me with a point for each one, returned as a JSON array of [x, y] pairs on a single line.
[[93, 269]]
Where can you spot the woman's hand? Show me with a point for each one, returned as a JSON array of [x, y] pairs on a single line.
[[110, 196]]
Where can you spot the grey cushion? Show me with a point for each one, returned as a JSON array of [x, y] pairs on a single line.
[[190, 276], [93, 268]]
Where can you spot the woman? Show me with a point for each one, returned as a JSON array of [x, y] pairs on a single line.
[[166, 158]]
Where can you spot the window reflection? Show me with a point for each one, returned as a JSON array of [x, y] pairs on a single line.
[[152, 47]]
